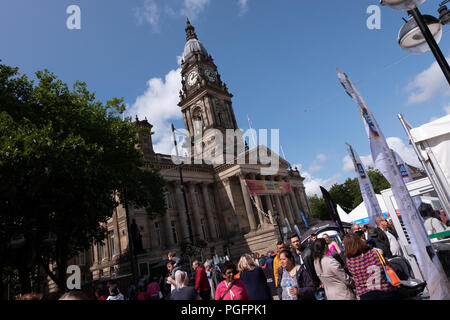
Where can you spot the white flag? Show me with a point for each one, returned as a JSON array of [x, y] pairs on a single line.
[[367, 192], [427, 259]]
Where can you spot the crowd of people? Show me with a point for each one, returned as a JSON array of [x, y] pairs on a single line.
[[317, 269]]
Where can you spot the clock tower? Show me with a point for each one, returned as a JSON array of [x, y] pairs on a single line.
[[204, 99]]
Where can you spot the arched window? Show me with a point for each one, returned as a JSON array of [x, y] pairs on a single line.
[[198, 121]]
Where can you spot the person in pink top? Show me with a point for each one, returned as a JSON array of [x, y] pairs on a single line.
[[153, 289], [230, 289], [332, 245]]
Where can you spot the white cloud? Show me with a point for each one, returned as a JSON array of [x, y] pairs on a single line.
[[159, 103], [428, 84], [321, 157], [149, 13], [313, 184], [243, 6], [193, 8], [447, 109], [315, 167], [407, 153]]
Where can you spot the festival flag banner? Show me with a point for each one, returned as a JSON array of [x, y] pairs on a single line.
[[302, 214], [332, 209], [265, 187], [432, 271], [297, 230], [288, 224], [367, 192], [401, 165]]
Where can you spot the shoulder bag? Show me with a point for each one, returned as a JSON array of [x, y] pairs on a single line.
[[391, 276], [228, 290]]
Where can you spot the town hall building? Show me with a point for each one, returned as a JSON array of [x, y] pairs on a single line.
[[223, 217]]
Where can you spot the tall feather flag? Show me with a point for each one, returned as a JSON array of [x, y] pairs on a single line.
[[332, 209], [367, 192], [432, 271], [406, 174]]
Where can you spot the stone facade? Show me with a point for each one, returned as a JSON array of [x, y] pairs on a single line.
[[223, 217]]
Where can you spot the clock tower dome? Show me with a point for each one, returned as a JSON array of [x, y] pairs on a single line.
[[204, 99]]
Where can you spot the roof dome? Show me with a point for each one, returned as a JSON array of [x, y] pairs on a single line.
[[193, 46]]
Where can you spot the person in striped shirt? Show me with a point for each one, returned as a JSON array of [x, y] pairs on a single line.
[[367, 270]]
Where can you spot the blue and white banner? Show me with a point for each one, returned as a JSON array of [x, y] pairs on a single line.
[[302, 215], [288, 224], [434, 275], [367, 192], [401, 165], [298, 231]]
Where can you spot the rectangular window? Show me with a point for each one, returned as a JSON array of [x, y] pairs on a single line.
[[202, 221], [197, 198], [211, 199], [102, 251], [81, 258], [143, 269], [169, 200], [158, 234], [111, 243], [174, 232], [217, 228]]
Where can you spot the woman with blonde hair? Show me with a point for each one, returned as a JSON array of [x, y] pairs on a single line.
[[182, 290], [254, 279]]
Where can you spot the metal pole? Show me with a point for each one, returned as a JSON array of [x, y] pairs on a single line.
[[431, 42], [130, 240], [431, 175], [183, 190]]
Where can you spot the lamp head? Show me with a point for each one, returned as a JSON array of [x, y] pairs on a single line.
[[403, 5], [411, 38]]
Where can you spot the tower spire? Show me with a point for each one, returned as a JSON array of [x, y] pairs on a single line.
[[190, 31]]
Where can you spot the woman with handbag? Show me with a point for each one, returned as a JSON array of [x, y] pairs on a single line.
[[230, 288], [367, 270], [337, 283]]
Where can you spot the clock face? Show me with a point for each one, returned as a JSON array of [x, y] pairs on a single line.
[[192, 78], [210, 75]]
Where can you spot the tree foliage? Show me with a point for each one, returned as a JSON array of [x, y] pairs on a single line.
[[65, 162], [347, 195]]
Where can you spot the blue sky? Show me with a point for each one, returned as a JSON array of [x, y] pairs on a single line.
[[278, 58]]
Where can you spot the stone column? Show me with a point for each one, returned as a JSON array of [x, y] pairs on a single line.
[[270, 208], [169, 241], [259, 206], [208, 211], [196, 212], [296, 213], [248, 203], [183, 219], [288, 210], [304, 202], [229, 191]]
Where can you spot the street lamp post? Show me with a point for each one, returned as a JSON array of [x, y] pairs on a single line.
[[421, 33], [183, 189]]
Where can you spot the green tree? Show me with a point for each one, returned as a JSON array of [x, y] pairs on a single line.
[[377, 179], [319, 208], [66, 161], [341, 195]]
